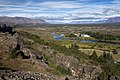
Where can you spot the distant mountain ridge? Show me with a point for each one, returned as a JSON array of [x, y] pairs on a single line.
[[114, 20], [107, 20], [21, 21], [82, 20], [38, 21]]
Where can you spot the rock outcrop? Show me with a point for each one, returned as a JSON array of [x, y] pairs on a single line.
[[8, 74], [79, 70], [7, 43]]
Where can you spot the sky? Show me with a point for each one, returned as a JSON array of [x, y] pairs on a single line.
[[61, 10]]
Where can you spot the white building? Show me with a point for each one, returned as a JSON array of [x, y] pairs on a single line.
[[85, 35]]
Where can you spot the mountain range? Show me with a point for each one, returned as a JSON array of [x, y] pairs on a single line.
[[38, 21], [114, 20], [89, 21], [21, 21]]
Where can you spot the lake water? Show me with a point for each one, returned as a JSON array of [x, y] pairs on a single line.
[[57, 37], [88, 41]]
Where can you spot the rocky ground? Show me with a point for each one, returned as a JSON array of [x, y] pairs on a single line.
[[34, 63], [9, 74]]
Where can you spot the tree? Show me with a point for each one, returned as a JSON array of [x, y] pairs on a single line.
[[115, 51], [94, 56], [105, 58], [74, 46], [72, 35]]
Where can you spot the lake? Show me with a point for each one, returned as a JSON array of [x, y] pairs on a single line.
[[57, 37], [88, 41]]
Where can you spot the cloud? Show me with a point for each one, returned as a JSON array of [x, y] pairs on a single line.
[[63, 4], [16, 14], [116, 2], [61, 10], [56, 4]]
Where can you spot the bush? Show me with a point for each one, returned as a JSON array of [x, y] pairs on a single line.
[[115, 51], [13, 53], [74, 46], [112, 69], [94, 56], [63, 70], [71, 35], [109, 67], [100, 36], [106, 57], [103, 76]]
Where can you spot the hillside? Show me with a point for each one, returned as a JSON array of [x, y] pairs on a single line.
[[32, 54], [21, 21], [26, 56]]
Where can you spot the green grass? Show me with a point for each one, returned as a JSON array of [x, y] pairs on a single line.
[[58, 70], [90, 51]]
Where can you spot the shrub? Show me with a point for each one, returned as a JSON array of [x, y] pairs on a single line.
[[64, 70], [115, 51], [13, 53], [94, 56], [106, 57], [71, 35], [103, 76]]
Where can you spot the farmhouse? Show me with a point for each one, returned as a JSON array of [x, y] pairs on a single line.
[[85, 35]]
